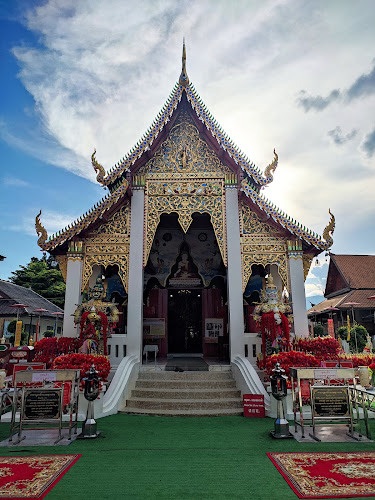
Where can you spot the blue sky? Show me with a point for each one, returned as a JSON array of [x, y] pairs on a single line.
[[294, 75]]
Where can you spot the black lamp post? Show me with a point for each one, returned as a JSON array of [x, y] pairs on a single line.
[[279, 392], [91, 392]]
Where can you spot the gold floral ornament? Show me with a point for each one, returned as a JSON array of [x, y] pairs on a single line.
[[98, 168], [270, 169], [328, 231], [41, 232]]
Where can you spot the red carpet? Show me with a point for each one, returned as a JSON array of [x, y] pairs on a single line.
[[328, 475], [32, 477]]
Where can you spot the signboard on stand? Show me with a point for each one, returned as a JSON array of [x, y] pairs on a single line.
[[253, 405]]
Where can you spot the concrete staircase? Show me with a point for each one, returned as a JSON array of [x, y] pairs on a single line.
[[193, 394]]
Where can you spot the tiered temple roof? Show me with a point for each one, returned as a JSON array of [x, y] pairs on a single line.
[[250, 178]]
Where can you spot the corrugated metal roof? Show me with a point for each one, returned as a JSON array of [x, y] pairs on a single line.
[[15, 294]]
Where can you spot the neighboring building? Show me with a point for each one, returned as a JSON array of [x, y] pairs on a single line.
[[350, 283], [11, 294], [185, 239]]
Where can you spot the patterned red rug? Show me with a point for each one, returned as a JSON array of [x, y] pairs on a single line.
[[32, 477], [328, 475]]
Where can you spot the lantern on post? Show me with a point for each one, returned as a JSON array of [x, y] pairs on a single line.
[[279, 392], [91, 392]]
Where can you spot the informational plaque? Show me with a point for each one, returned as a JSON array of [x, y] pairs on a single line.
[[42, 404], [330, 401], [153, 327], [213, 329]]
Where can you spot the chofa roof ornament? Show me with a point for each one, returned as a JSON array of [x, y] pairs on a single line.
[[98, 168], [328, 231], [40, 231]]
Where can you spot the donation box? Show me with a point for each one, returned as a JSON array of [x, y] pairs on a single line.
[[253, 405]]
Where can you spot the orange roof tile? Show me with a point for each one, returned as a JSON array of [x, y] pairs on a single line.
[[358, 270]]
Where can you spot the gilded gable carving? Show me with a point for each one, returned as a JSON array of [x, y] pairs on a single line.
[[184, 155]]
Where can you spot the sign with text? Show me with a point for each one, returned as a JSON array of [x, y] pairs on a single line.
[[213, 329], [28, 367], [42, 404], [153, 327], [253, 405], [330, 401]]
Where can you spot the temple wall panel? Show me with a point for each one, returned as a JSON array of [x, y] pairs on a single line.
[[261, 244]]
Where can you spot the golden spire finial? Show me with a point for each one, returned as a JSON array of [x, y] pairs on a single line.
[[184, 80]]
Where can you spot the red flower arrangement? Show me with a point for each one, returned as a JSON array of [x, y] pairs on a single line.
[[83, 362], [290, 359], [47, 349], [320, 347], [359, 359]]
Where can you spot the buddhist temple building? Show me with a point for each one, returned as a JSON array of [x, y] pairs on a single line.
[[184, 240]]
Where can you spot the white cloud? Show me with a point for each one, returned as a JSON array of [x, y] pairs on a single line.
[[313, 289], [52, 222], [98, 84], [14, 182]]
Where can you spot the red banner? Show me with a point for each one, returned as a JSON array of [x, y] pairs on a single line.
[[331, 330], [253, 405]]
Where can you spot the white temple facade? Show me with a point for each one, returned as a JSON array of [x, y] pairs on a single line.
[[184, 241]]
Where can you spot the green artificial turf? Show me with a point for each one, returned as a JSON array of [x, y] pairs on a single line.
[[141, 457]]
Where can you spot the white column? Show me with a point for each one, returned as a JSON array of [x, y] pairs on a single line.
[[234, 274], [72, 294], [297, 288], [135, 277]]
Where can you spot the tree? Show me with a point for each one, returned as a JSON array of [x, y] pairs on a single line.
[[358, 337], [43, 278]]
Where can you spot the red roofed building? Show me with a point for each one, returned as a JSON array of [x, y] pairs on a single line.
[[350, 283]]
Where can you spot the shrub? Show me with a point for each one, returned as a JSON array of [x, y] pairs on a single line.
[[319, 331], [358, 333]]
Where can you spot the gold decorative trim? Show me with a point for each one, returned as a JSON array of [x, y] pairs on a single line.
[[307, 259], [109, 245], [185, 198], [74, 259], [62, 260], [261, 244]]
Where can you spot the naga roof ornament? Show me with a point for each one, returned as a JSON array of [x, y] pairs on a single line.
[[40, 230], [329, 229], [98, 168], [270, 169]]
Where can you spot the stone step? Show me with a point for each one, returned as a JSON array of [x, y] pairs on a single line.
[[162, 393], [183, 404], [161, 375], [223, 412], [181, 384]]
